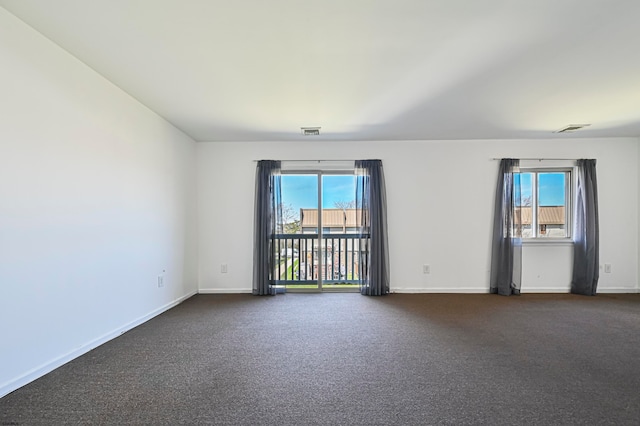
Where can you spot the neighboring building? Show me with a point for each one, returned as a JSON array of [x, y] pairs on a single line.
[[551, 220], [334, 221], [340, 254]]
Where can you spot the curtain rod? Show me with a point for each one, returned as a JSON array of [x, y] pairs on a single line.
[[309, 161], [540, 159]]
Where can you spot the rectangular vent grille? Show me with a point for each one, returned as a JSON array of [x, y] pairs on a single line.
[[310, 131]]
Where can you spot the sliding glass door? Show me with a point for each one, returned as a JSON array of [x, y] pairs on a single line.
[[318, 248]]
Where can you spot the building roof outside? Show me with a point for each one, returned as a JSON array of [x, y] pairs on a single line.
[[331, 218], [547, 215]]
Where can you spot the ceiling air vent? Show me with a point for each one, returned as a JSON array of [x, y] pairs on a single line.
[[310, 131], [571, 128]]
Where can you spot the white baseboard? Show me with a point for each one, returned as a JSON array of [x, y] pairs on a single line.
[[559, 290], [460, 290], [610, 290], [475, 290], [440, 290], [224, 291], [617, 290], [35, 373]]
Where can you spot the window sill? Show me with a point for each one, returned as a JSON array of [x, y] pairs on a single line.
[[547, 242]]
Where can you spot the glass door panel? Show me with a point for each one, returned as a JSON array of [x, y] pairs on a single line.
[[340, 253], [297, 248]]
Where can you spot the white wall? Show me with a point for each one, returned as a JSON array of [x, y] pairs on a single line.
[[97, 197], [432, 187]]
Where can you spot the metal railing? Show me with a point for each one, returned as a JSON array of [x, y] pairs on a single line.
[[300, 259]]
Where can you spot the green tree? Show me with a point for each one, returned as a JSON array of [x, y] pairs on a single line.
[[290, 219]]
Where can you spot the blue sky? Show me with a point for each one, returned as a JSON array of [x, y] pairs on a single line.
[[301, 191], [550, 188]]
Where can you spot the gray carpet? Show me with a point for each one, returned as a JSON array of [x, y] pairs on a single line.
[[346, 359]]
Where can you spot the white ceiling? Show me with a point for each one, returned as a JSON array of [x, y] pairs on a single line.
[[362, 69]]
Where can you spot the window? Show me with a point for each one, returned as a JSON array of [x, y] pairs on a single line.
[[545, 205]]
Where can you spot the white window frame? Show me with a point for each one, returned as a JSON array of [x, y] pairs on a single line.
[[569, 204]]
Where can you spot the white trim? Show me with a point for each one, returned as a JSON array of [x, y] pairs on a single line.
[[616, 290], [469, 290], [549, 241], [224, 291], [462, 290], [37, 372], [292, 166], [544, 163], [558, 290]]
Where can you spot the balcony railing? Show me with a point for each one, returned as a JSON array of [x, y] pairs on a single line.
[[297, 258]]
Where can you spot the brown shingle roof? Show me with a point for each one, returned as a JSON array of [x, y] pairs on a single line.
[[547, 215], [332, 218]]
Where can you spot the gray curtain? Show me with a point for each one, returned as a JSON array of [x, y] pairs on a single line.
[[267, 222], [506, 253], [371, 206], [586, 238]]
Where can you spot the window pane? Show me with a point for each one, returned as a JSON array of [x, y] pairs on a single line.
[[341, 251], [296, 253], [526, 202], [551, 205], [338, 192], [300, 203]]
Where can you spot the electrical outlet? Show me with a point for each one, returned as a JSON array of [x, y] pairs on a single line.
[[160, 280], [223, 268], [607, 268], [426, 269]]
